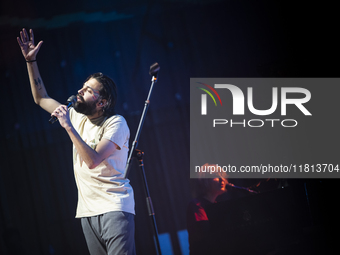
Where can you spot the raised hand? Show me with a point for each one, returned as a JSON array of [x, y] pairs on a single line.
[[28, 48]]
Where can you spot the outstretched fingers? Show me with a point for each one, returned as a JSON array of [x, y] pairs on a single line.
[[19, 41], [39, 45], [26, 43], [22, 37], [25, 34], [31, 36]]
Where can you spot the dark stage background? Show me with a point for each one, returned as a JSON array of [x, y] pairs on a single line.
[[122, 39]]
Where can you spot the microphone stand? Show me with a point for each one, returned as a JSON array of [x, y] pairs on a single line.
[[244, 188], [139, 155]]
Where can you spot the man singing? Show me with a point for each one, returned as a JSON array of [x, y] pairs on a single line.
[[100, 146]]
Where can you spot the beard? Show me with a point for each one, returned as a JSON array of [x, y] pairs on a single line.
[[86, 108]]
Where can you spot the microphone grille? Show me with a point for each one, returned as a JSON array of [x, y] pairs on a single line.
[[72, 99]]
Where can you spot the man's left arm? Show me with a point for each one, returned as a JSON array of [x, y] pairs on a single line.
[[91, 157]]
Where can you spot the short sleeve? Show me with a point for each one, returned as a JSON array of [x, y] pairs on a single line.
[[117, 131]]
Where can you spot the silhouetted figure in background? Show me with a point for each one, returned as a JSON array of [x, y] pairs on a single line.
[[207, 188]]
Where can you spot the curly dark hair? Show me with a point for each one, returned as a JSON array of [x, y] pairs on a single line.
[[108, 92]]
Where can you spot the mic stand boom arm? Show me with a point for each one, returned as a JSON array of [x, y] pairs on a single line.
[[139, 129], [153, 71]]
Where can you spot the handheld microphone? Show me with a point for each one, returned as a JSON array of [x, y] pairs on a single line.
[[239, 187], [70, 101]]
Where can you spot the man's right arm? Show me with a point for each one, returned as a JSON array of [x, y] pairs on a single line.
[[29, 51]]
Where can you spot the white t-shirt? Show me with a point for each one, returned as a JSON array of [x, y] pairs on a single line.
[[102, 189]]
